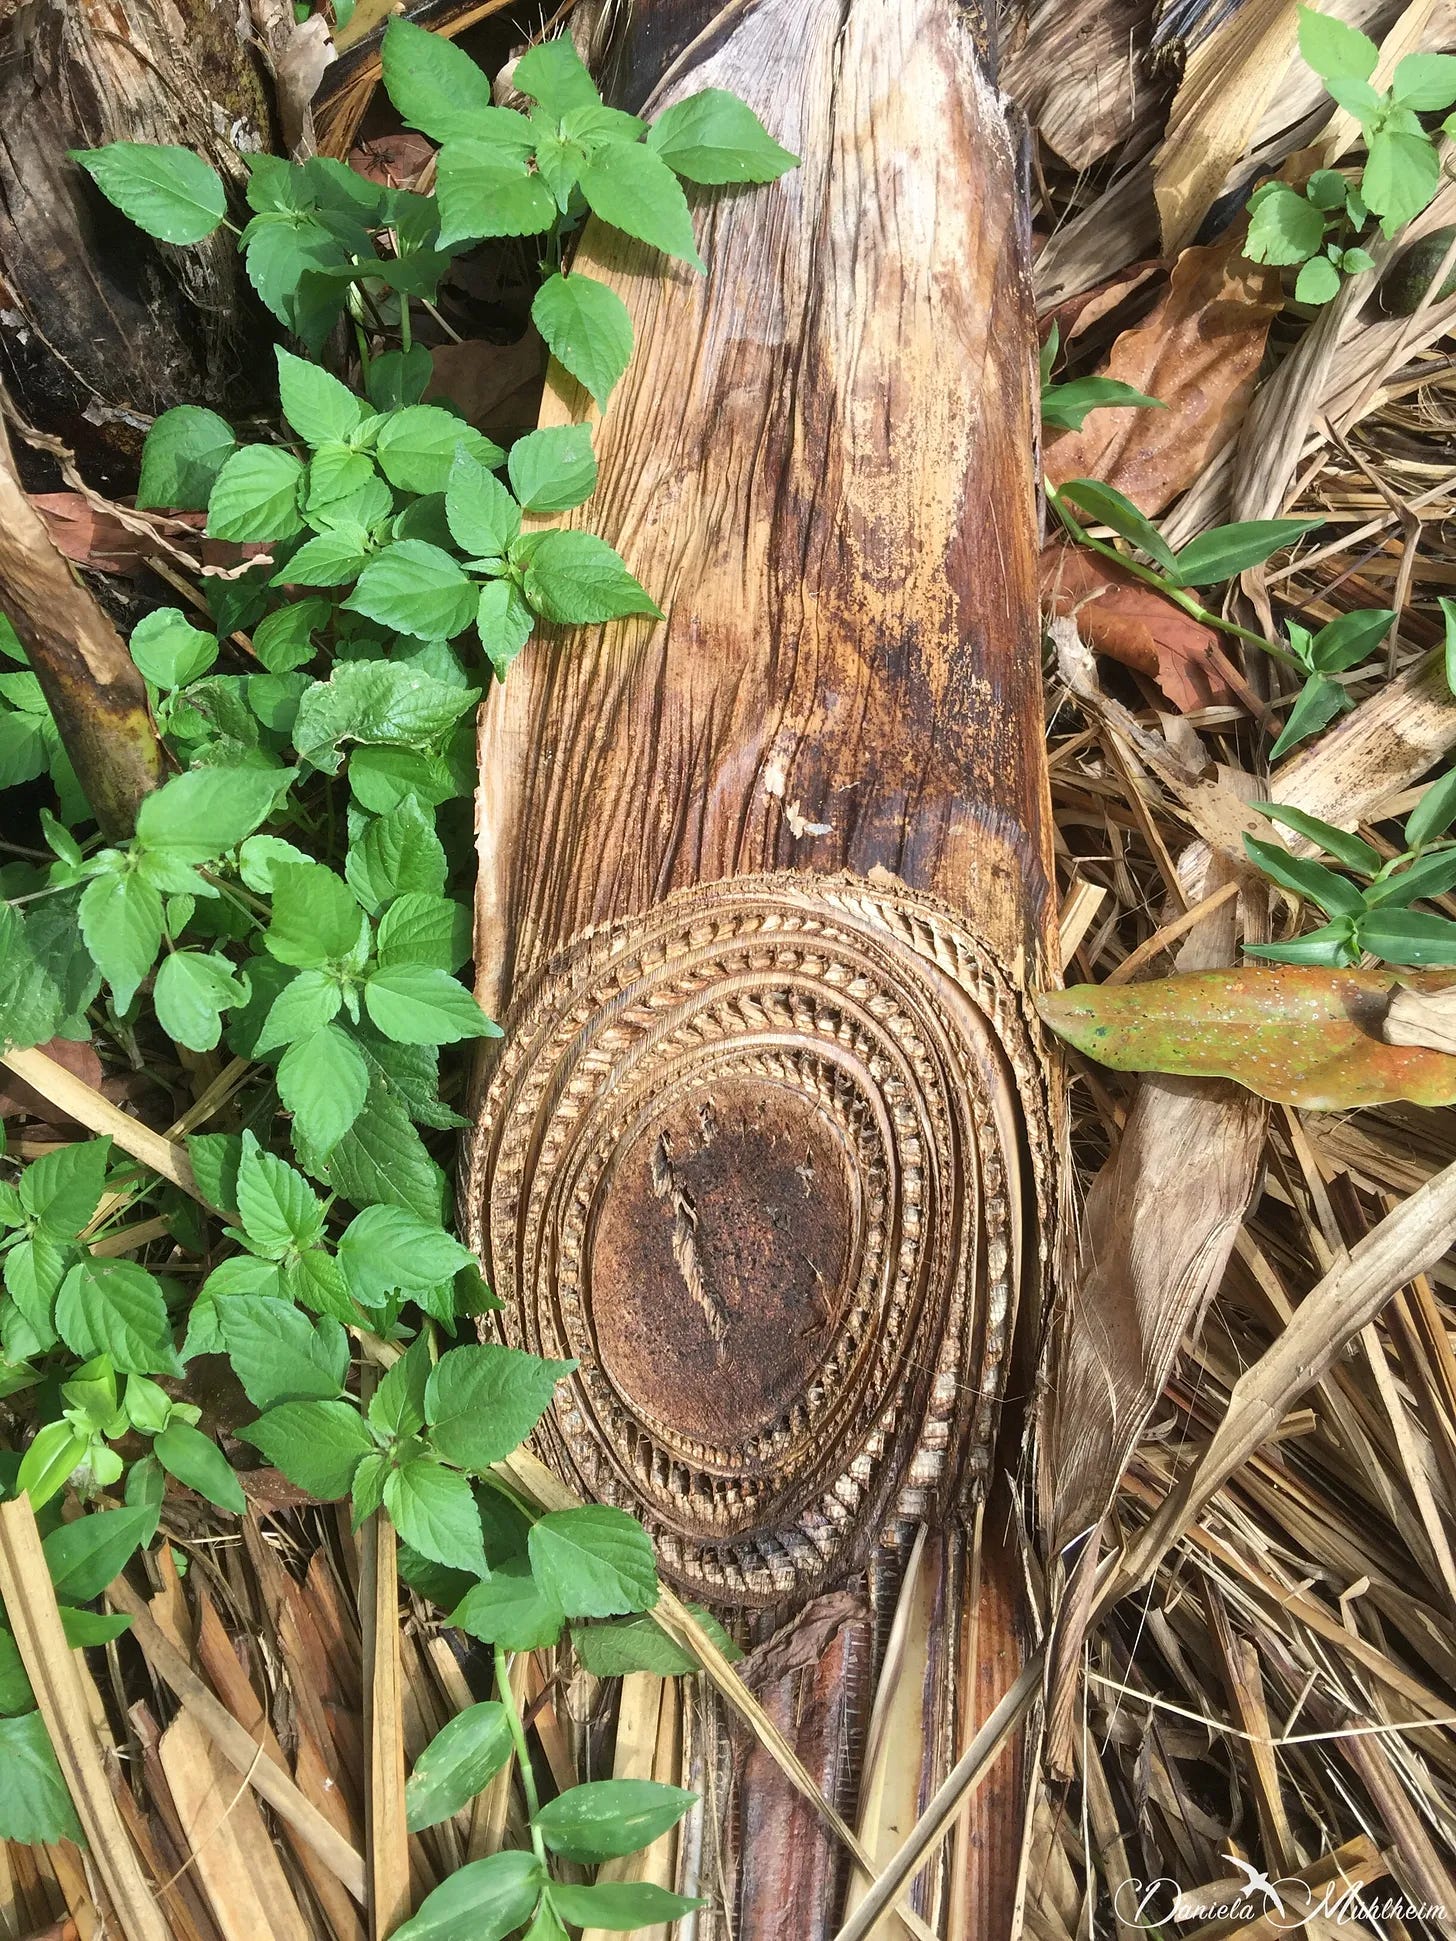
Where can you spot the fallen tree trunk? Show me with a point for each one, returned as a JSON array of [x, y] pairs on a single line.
[[769, 1147]]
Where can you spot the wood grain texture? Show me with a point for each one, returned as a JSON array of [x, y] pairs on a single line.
[[768, 1146]]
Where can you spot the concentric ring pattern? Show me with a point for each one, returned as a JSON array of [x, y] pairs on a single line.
[[758, 1161]]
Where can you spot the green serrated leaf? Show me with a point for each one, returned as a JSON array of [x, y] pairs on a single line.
[[317, 1445], [255, 496], [170, 192], [635, 191], [278, 1354], [1330, 46], [200, 815], [388, 1249], [587, 328], [315, 919], [483, 516], [1425, 82], [279, 1210], [485, 191], [323, 1081], [504, 622], [193, 989], [397, 853], [434, 1511], [116, 1308], [554, 74], [715, 137], [62, 1189], [424, 929], [1401, 176], [186, 448], [438, 88], [417, 446], [552, 470], [305, 1005], [1284, 227], [511, 1609], [574, 577], [169, 650], [595, 1561], [121, 921], [417, 589], [316, 404], [417, 1005], [483, 1401]]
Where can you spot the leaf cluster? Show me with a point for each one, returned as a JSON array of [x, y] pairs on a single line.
[[1367, 901], [1315, 226]]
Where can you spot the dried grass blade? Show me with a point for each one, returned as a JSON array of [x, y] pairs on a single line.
[[229, 1847], [386, 1833], [241, 1751], [1407, 1242], [56, 1676], [949, 1802], [88, 1108]]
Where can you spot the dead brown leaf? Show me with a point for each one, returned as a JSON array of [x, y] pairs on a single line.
[[1079, 313], [398, 161], [16, 1097], [496, 385], [1129, 622], [91, 537], [1198, 353]]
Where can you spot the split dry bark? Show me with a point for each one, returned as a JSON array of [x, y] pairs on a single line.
[[769, 1146]]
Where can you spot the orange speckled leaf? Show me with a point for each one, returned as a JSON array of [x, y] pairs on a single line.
[[1297, 1035]]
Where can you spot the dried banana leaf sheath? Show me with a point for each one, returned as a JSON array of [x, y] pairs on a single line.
[[766, 1146]]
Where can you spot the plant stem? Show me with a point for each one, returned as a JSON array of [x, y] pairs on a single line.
[[405, 339], [1151, 577], [523, 1753]]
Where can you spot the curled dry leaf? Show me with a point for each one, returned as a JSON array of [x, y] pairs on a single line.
[[1198, 353], [1075, 317], [1297, 1035], [1119, 616], [99, 540]]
